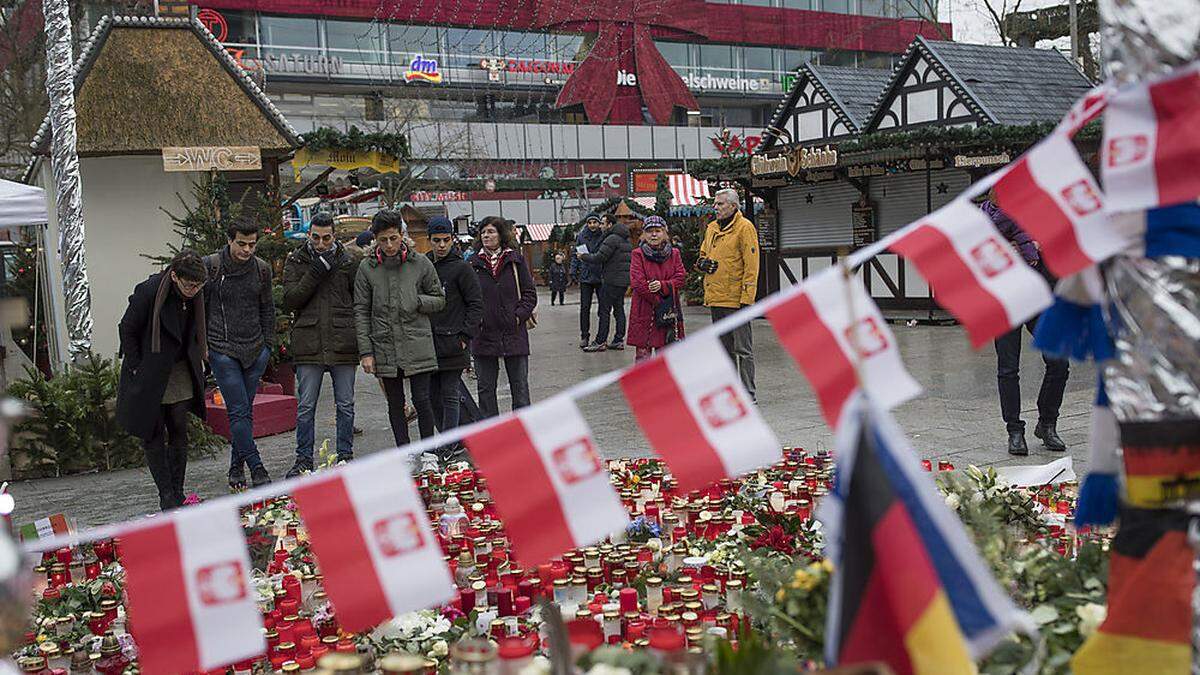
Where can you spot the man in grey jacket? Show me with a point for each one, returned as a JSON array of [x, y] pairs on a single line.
[[241, 329]]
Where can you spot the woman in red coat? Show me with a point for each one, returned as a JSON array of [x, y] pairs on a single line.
[[657, 277]]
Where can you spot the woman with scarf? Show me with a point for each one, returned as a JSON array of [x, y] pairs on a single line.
[[163, 345], [657, 275], [509, 301]]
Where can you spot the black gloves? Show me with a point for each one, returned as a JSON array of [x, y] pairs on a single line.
[[706, 265]]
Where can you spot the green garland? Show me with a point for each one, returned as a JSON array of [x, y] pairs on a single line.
[[326, 138], [995, 135]]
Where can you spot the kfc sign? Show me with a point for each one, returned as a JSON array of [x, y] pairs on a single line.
[[398, 534], [722, 407], [576, 461], [992, 257], [220, 583]]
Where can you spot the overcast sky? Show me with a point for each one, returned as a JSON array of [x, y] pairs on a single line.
[[971, 20]]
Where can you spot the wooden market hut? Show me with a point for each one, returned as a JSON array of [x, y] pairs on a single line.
[[143, 84], [837, 174]]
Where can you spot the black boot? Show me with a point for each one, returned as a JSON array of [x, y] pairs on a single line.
[[1049, 436], [237, 478], [259, 476], [301, 466], [1016, 443]]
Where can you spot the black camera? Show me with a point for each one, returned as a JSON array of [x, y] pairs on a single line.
[[706, 265]]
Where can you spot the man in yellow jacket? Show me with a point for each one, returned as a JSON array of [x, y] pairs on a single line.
[[729, 260]]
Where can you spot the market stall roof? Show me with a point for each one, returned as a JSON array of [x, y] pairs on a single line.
[[983, 84], [541, 231], [21, 204], [849, 93], [145, 83]]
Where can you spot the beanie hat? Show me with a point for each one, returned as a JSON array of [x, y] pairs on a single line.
[[654, 221], [364, 239], [439, 225]]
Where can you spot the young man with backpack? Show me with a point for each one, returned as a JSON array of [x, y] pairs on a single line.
[[241, 330]]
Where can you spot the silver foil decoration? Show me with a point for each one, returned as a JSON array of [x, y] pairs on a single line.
[[1156, 373], [60, 87], [1141, 38]]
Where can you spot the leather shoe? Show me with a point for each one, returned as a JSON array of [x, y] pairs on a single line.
[[1016, 443], [1049, 436]]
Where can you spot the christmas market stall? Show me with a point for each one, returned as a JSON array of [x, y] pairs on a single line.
[[159, 104], [839, 173]]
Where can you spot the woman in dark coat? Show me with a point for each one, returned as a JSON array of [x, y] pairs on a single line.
[[163, 346], [509, 300]]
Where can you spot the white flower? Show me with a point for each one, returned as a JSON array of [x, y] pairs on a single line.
[[439, 649], [1090, 616], [540, 665], [953, 500]]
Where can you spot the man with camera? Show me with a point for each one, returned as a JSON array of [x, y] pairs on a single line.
[[729, 261]]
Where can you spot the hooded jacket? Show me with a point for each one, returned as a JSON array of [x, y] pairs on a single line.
[[613, 255], [589, 272], [458, 323], [735, 248], [323, 331], [393, 300]]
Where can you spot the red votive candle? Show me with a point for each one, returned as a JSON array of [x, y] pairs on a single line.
[[629, 600], [522, 604]]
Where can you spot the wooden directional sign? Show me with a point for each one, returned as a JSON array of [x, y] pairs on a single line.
[[206, 158]]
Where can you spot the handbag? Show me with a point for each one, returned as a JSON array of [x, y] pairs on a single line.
[[665, 314], [531, 322]]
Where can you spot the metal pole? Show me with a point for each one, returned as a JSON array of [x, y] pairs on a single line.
[[1073, 19], [60, 88]]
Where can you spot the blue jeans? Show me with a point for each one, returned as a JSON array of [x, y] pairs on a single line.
[[308, 390], [238, 386]]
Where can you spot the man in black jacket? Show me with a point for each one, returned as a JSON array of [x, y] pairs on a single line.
[[614, 255], [456, 325], [318, 285], [162, 376], [241, 330]]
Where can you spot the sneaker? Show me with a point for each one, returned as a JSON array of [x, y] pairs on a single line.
[[348, 457], [358, 431], [583, 343], [595, 347], [410, 413], [301, 466], [618, 345], [259, 476]]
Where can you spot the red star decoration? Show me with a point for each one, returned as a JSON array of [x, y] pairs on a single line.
[[625, 32]]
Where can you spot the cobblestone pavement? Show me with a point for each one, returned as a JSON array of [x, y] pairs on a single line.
[[957, 418]]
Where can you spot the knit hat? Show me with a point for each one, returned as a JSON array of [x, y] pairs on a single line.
[[364, 239], [439, 225], [592, 216], [653, 221]]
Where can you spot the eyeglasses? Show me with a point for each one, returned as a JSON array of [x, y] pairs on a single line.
[[190, 286]]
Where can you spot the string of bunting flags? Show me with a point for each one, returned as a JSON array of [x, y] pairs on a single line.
[[190, 595]]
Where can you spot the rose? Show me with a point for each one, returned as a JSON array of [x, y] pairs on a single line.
[[953, 501], [1090, 616], [439, 649]]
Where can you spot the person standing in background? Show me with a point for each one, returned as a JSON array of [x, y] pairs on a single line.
[[588, 274], [729, 261], [318, 286], [1008, 356], [395, 292], [509, 301], [558, 279], [162, 372], [657, 276], [455, 326], [241, 330], [613, 257]]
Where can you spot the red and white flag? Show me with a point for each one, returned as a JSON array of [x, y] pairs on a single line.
[[368, 529], [974, 272], [1151, 147], [698, 417], [191, 604], [832, 327], [1051, 194], [548, 481]]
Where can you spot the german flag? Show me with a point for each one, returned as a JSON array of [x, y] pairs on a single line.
[[1162, 462], [910, 590], [1150, 582]]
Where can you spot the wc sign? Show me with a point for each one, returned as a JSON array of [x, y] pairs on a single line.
[[626, 79]]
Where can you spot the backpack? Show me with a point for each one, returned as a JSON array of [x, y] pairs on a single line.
[[212, 266]]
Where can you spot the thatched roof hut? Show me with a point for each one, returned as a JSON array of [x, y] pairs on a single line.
[[145, 83]]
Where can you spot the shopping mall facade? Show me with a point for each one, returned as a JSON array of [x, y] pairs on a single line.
[[501, 89]]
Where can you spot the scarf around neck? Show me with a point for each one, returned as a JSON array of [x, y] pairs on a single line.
[[160, 297], [494, 259], [657, 255]]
